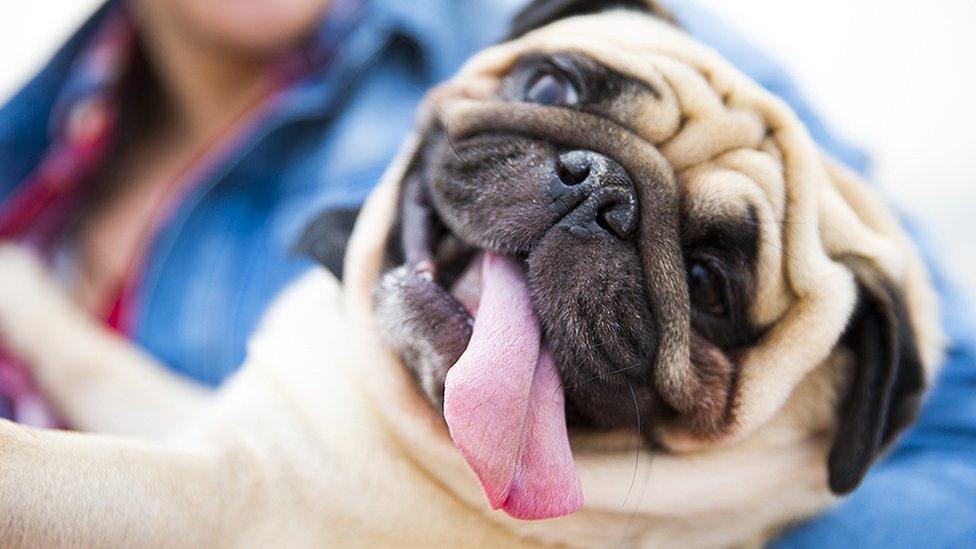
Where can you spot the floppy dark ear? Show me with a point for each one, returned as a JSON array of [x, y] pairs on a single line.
[[542, 12], [326, 237], [888, 379]]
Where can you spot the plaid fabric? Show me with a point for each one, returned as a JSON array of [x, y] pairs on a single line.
[[83, 127]]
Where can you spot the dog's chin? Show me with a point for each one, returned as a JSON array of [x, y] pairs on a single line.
[[586, 286]]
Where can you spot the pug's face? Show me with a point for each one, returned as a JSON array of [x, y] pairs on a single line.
[[624, 283], [646, 225]]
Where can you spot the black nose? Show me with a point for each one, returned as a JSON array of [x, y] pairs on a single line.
[[595, 193]]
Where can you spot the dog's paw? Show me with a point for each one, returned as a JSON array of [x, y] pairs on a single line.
[[20, 271], [427, 327], [30, 298], [17, 258]]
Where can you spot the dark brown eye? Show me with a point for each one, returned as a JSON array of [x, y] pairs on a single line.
[[706, 289], [551, 88]]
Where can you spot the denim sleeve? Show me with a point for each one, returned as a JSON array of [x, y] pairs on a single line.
[[924, 492]]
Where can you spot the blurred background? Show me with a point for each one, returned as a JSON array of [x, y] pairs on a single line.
[[897, 78]]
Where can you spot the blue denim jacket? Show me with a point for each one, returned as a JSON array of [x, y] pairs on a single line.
[[224, 255]]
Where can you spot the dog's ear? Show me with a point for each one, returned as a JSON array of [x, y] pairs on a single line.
[[326, 237], [539, 13], [887, 383]]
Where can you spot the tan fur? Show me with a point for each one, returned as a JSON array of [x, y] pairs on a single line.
[[322, 438]]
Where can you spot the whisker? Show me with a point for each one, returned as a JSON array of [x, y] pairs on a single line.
[[596, 377], [450, 140], [633, 479]]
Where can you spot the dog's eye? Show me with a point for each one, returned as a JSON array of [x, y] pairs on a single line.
[[551, 88], [706, 288]]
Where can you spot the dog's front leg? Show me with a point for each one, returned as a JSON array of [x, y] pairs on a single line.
[[96, 379], [61, 489], [428, 327]]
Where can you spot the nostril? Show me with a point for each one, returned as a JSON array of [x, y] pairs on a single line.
[[602, 219], [618, 218], [593, 194], [573, 167]]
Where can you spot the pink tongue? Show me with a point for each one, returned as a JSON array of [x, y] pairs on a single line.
[[503, 403]]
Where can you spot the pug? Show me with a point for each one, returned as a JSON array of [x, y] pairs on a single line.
[[610, 293]]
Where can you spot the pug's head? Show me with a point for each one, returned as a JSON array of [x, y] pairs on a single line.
[[603, 226]]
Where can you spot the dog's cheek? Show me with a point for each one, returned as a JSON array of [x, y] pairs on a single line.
[[589, 297], [493, 191]]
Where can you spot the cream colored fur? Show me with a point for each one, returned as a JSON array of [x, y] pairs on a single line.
[[323, 439]]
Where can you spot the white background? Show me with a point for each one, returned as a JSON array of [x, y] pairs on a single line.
[[897, 77]]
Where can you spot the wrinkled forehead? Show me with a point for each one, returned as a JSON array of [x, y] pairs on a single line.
[[717, 130], [699, 112], [701, 108]]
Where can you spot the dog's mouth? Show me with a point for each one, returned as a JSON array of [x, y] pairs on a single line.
[[503, 398]]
